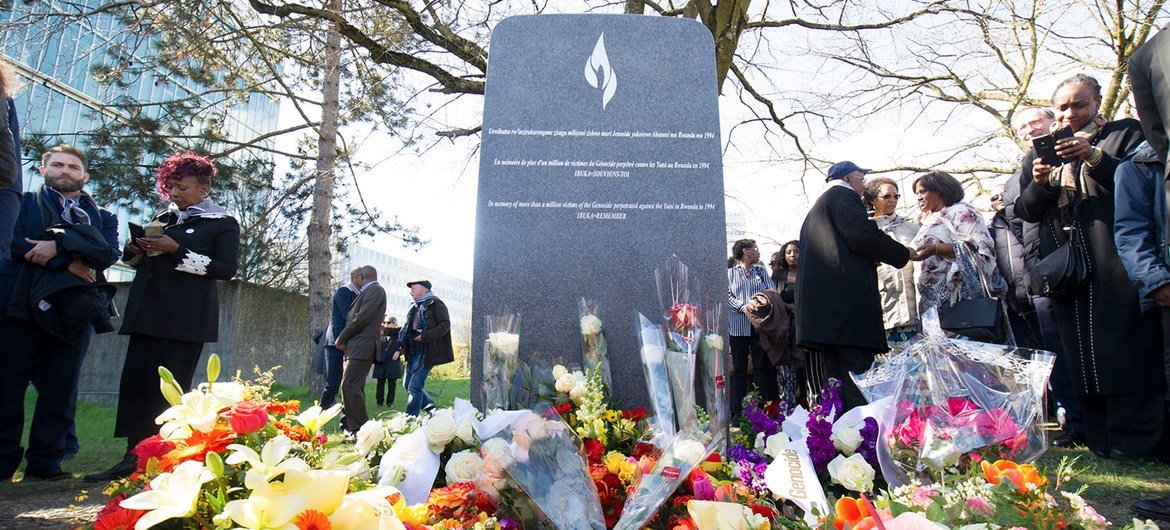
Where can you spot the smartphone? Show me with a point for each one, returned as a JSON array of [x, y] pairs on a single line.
[[136, 231], [1046, 147]]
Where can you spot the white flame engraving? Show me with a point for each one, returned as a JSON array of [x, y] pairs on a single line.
[[599, 73]]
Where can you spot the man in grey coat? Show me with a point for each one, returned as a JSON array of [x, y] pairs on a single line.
[[359, 341]]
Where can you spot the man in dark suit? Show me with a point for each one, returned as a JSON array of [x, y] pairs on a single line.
[[838, 310], [1149, 67], [30, 352], [335, 358], [359, 341]]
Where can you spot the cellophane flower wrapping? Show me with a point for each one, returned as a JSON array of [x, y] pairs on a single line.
[[713, 359], [657, 381], [500, 356], [956, 402], [686, 451], [543, 457], [683, 332], [594, 351]]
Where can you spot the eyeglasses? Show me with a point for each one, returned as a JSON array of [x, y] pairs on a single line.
[[996, 197], [888, 196]]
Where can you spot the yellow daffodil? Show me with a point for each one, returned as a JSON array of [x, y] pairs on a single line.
[[197, 411], [313, 418], [264, 513], [171, 495]]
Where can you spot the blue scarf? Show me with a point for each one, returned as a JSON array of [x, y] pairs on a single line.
[[420, 305]]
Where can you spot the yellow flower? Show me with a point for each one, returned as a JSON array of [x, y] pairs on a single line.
[[612, 415], [314, 418], [613, 461]]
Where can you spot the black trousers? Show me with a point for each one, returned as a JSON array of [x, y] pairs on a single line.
[[28, 354], [837, 362], [385, 389], [139, 399], [763, 373], [1133, 423]]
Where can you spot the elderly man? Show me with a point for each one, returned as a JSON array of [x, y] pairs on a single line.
[[426, 340], [46, 331], [838, 310], [359, 341]]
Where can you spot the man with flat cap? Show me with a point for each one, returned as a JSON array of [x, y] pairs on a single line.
[[426, 342], [838, 309]]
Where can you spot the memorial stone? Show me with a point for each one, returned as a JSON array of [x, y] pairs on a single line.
[[601, 158]]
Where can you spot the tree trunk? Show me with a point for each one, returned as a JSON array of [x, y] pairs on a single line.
[[635, 7], [320, 224]]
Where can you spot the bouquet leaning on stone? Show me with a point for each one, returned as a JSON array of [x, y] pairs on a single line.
[[500, 356]]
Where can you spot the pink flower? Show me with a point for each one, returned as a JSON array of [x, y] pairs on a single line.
[[911, 521], [979, 506], [683, 316], [998, 425], [962, 412], [1091, 519], [911, 430], [247, 416], [704, 490], [922, 496]]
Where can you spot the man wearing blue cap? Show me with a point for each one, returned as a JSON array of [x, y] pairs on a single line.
[[838, 309]]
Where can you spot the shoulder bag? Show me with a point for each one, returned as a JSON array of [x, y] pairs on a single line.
[[979, 319]]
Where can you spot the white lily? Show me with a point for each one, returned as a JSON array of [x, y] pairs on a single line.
[[321, 490], [264, 513], [270, 462], [313, 418], [197, 411], [171, 495]]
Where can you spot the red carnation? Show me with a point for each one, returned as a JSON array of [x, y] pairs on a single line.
[[594, 450], [636, 414], [119, 519]]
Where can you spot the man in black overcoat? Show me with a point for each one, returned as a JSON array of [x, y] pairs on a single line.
[[838, 309]]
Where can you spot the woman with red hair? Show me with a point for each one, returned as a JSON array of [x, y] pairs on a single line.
[[173, 305]]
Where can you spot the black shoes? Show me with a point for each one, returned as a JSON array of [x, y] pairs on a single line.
[[47, 474], [1069, 439], [120, 470], [1157, 509]]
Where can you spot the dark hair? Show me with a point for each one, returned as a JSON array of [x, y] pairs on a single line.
[[1080, 79], [69, 150], [737, 248], [873, 187], [180, 165], [784, 250], [731, 261], [943, 183]]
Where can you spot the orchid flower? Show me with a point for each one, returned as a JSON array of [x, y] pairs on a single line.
[[171, 495]]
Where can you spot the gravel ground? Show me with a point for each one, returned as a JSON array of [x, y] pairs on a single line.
[[48, 504]]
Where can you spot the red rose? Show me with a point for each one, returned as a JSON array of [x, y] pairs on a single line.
[[684, 316], [155, 446], [247, 416], [594, 450]]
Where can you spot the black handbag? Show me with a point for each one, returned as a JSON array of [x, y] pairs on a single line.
[[1063, 273], [979, 319]]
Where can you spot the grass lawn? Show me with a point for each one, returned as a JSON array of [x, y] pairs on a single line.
[[1112, 486]]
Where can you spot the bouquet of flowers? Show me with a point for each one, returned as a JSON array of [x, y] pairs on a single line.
[[657, 382], [956, 402], [594, 351], [540, 453], [500, 359], [686, 451], [714, 362], [683, 332]]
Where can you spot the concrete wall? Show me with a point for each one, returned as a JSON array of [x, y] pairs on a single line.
[[258, 326]]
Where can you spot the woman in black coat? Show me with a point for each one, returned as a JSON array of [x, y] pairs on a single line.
[[389, 366], [1114, 350], [173, 305]]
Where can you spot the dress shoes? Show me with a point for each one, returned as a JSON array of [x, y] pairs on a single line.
[[46, 474], [1069, 440], [120, 470], [1157, 509]]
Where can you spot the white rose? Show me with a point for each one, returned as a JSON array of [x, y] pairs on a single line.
[[559, 371], [590, 325], [775, 445], [440, 430], [497, 455], [505, 343], [689, 451], [846, 437], [760, 439], [577, 392], [464, 466], [653, 354], [369, 436], [466, 432], [714, 342], [854, 473], [566, 382], [398, 423]]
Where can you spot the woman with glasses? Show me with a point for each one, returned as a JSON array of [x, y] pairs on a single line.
[[899, 301], [746, 278]]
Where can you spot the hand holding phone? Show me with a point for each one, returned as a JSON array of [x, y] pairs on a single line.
[[1046, 147]]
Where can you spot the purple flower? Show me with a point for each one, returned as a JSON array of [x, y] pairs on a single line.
[[820, 425], [868, 446], [508, 524]]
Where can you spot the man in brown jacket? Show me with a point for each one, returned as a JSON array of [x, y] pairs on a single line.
[[359, 341]]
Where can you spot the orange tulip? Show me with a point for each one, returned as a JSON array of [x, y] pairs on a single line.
[[852, 512], [1020, 474]]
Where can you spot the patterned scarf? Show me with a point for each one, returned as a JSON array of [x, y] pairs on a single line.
[[1073, 176]]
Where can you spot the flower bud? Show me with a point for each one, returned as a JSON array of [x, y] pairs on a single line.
[[213, 367], [170, 390], [166, 374], [214, 463]]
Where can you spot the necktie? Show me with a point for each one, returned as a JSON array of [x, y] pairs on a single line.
[[74, 213]]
